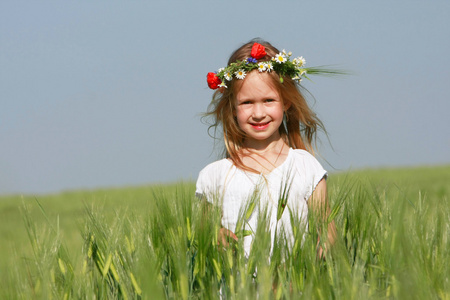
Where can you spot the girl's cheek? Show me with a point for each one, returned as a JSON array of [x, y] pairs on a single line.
[[243, 110]]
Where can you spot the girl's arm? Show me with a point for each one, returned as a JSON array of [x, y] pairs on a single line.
[[319, 204], [224, 235]]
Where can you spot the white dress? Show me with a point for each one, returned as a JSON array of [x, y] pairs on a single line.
[[223, 184]]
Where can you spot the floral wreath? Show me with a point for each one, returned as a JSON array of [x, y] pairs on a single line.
[[280, 63]]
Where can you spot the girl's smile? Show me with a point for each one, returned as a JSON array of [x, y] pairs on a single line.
[[260, 126]]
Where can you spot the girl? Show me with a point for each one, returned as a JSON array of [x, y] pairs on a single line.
[[268, 132]]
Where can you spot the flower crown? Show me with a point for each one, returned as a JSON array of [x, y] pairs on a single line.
[[280, 63]]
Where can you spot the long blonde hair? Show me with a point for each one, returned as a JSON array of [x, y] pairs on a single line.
[[300, 125]]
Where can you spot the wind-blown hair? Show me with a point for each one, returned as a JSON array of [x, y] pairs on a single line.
[[300, 122]]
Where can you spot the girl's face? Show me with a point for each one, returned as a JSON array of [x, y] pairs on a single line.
[[259, 109]]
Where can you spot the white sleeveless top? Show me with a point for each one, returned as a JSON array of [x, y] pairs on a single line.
[[221, 183]]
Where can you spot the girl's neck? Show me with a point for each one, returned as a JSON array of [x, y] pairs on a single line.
[[262, 147], [254, 145], [264, 157]]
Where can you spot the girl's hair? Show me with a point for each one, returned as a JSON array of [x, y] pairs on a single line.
[[300, 122]]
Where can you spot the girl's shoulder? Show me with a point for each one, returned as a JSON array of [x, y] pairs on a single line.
[[300, 154], [215, 168], [305, 160], [211, 176]]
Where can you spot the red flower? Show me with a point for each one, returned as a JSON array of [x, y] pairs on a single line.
[[258, 51], [213, 80]]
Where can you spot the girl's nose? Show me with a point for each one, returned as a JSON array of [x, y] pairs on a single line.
[[258, 111]]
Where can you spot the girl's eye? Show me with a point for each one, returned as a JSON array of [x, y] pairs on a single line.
[[270, 100]]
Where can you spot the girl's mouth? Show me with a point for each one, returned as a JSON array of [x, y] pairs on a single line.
[[260, 126]]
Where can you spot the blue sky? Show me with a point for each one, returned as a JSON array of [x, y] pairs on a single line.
[[110, 93]]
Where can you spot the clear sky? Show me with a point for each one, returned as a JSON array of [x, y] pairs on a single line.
[[110, 93]]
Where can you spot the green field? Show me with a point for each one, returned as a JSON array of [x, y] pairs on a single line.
[[159, 242]]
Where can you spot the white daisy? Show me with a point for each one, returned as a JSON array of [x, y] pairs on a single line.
[[269, 67], [240, 74], [280, 58], [222, 85], [299, 61], [297, 77], [228, 76], [220, 70], [262, 67]]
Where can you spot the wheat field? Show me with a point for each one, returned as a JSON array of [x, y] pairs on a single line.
[[160, 242]]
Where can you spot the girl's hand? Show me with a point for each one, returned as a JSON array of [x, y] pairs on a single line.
[[225, 236], [321, 251]]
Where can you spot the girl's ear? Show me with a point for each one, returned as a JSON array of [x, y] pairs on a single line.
[[287, 106]]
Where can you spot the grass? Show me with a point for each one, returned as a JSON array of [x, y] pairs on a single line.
[[159, 242]]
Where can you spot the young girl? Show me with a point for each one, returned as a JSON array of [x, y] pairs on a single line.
[[268, 132]]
